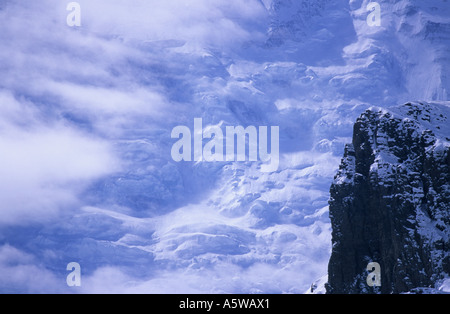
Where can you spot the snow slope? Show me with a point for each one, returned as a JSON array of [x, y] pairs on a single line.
[[110, 93]]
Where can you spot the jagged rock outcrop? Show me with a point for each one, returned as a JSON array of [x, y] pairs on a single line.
[[390, 201]]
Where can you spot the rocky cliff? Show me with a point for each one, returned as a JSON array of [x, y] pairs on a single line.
[[390, 201]]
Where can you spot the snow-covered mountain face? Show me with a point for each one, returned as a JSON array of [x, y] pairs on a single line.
[[86, 172]]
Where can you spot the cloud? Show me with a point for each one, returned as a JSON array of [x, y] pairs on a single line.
[[201, 22], [21, 273], [43, 167], [222, 278]]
